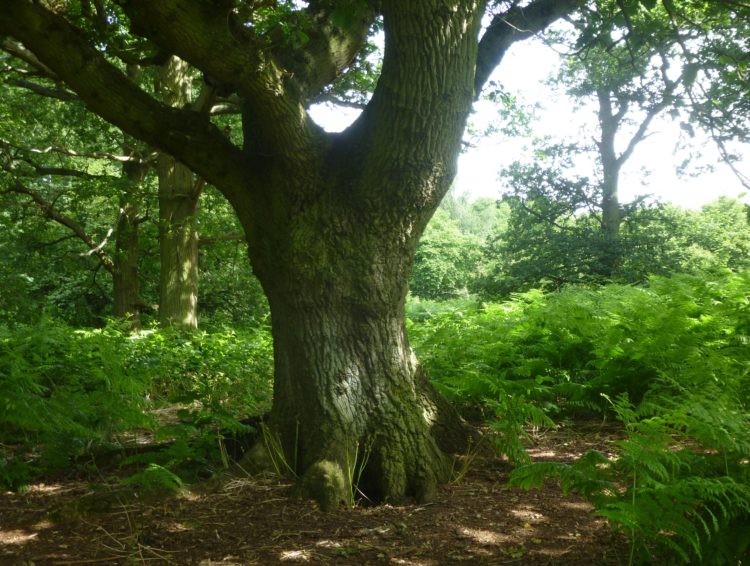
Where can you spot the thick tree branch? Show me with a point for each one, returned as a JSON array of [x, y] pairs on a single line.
[[202, 34], [331, 48], [516, 24], [105, 90], [17, 50], [147, 159], [41, 90], [642, 132], [666, 99]]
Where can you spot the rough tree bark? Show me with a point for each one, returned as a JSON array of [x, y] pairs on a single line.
[[126, 295], [332, 220], [178, 206], [333, 246]]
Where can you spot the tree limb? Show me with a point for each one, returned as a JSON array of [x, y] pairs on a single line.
[[666, 99], [517, 24], [331, 48], [5, 144], [547, 219], [202, 34], [105, 90], [52, 213], [48, 92], [18, 50]]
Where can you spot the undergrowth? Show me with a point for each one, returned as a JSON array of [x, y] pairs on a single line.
[[670, 360], [67, 395]]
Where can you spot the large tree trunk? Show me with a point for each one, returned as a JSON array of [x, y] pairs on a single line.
[[349, 393], [348, 389], [178, 205], [332, 236], [332, 221]]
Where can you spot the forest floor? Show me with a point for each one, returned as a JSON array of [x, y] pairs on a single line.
[[478, 520]]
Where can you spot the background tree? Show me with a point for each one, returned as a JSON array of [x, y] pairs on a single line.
[[625, 73], [713, 41], [72, 248], [55, 156], [446, 261]]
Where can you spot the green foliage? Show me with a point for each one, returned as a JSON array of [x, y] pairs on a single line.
[[670, 360], [560, 352], [63, 391], [217, 379], [155, 478], [546, 244], [229, 295], [67, 393], [227, 371], [449, 260], [680, 492], [446, 260]]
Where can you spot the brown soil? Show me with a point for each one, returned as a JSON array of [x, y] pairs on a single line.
[[254, 521]]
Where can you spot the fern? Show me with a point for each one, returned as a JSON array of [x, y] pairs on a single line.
[[155, 478]]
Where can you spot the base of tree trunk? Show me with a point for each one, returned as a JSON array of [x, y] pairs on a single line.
[[385, 466]]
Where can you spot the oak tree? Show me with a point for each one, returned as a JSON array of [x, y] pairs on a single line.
[[332, 221]]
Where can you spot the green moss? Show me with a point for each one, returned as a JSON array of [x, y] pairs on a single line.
[[326, 482]]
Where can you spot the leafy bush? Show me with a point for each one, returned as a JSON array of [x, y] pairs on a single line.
[[446, 260], [217, 379], [564, 350], [66, 392], [678, 486], [225, 370], [61, 392]]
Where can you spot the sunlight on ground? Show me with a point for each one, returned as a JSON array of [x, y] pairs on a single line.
[[577, 505], [528, 515], [557, 552], [295, 556], [328, 544], [46, 489], [484, 537], [16, 536], [179, 528], [543, 453], [405, 562], [43, 524], [20, 537]]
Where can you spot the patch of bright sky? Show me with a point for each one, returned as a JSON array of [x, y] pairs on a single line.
[[651, 170]]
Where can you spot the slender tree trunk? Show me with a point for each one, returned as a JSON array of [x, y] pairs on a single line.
[[178, 246], [127, 303], [611, 165], [178, 205]]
